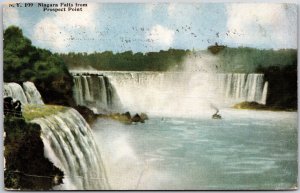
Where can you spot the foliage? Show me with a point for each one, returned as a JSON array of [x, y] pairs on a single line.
[[247, 60], [31, 112], [25, 62], [127, 61], [256, 106], [282, 90], [240, 60]]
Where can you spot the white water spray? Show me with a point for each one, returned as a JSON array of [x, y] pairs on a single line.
[[182, 93]]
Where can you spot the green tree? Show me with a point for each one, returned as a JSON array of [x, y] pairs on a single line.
[[25, 62]]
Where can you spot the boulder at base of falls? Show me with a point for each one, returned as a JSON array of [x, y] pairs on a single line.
[[138, 118], [26, 168], [126, 117], [87, 113], [144, 116]]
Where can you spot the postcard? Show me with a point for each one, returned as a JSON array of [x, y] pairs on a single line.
[[150, 96]]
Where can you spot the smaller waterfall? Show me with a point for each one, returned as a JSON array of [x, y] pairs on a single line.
[[264, 93], [243, 87], [32, 94], [28, 94], [15, 91], [95, 92], [70, 145]]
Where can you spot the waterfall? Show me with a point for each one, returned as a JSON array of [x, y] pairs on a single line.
[[15, 91], [174, 93], [28, 94], [96, 92], [32, 94], [69, 144], [243, 87], [264, 93]]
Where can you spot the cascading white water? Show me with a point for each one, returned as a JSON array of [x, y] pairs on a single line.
[[181, 93], [32, 94], [27, 95], [69, 144], [15, 91], [243, 87], [95, 92], [264, 93]]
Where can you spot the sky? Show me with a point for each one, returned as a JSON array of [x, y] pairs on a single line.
[[146, 27]]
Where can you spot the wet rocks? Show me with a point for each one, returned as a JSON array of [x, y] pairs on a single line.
[[137, 118], [126, 117]]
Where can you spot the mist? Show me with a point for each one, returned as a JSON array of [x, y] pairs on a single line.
[[186, 93], [127, 169], [190, 92]]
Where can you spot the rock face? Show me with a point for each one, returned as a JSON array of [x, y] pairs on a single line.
[[139, 118], [26, 167], [144, 116], [57, 91], [127, 115], [87, 114]]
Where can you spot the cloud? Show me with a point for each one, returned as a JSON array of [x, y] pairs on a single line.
[[50, 33], [58, 30], [160, 36], [261, 24], [10, 17], [172, 9], [85, 18], [176, 10]]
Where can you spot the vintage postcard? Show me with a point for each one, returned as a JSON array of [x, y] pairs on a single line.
[[150, 96]]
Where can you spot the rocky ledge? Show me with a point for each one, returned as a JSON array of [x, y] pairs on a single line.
[[258, 106], [126, 117]]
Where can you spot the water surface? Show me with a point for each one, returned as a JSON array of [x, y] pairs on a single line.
[[244, 150]]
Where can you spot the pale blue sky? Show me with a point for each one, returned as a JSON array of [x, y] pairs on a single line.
[[152, 27]]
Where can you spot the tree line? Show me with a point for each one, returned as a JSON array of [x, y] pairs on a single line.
[[49, 71], [238, 60], [127, 61]]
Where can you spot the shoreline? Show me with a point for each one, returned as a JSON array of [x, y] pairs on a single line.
[[260, 107]]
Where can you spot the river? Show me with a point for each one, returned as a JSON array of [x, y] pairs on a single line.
[[245, 150]]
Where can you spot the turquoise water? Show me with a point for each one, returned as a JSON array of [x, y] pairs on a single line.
[[244, 150]]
